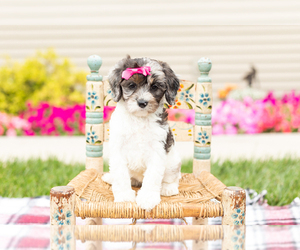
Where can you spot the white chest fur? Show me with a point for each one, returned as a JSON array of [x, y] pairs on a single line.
[[136, 138]]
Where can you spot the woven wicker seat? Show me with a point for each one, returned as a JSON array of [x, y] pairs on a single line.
[[87, 196], [193, 199]]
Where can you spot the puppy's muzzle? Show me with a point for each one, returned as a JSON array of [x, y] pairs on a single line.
[[142, 103]]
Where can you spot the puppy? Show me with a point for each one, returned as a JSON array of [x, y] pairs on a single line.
[[141, 143]]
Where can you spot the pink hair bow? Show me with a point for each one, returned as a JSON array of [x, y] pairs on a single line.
[[127, 73]]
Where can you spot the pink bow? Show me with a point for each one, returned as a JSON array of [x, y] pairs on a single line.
[[127, 73]]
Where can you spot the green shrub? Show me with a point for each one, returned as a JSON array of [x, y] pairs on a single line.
[[46, 77]]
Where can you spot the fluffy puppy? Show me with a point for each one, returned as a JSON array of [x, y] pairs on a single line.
[[141, 143]]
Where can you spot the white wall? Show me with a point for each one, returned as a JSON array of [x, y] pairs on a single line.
[[274, 50]]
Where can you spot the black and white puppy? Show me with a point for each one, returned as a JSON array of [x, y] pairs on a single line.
[[141, 143]]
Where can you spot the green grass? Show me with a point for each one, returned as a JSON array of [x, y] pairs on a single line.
[[36, 177]]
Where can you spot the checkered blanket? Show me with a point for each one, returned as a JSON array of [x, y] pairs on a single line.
[[24, 222]]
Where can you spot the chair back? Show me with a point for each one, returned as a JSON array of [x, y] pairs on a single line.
[[190, 96]]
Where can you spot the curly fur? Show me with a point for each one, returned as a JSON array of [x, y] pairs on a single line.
[[141, 143]]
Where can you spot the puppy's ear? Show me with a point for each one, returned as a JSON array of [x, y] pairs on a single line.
[[115, 79], [172, 83]]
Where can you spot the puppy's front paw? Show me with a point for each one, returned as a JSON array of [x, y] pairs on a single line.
[[123, 196], [107, 178], [147, 199], [169, 189]]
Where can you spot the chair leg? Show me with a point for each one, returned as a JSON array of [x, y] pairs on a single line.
[[62, 217], [62, 206], [234, 205]]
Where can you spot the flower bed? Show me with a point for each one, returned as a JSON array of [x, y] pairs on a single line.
[[228, 117], [13, 125], [260, 116]]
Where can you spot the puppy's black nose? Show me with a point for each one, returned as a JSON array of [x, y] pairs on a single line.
[[142, 103]]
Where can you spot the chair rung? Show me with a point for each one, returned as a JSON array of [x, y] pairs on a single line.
[[122, 210]]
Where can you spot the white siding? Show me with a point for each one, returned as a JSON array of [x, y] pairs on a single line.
[[274, 50]]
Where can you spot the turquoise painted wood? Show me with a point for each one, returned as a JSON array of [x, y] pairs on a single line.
[[199, 156], [202, 123], [201, 150], [201, 153], [94, 120], [94, 154], [203, 97], [204, 65], [205, 117], [202, 119], [94, 62], [94, 148], [203, 101], [94, 115]]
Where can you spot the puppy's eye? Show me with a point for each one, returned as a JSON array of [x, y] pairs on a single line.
[[154, 87], [132, 86]]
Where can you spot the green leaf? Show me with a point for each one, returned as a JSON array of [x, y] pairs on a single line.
[[108, 102], [166, 105], [190, 87], [91, 129], [98, 107], [98, 142], [208, 143], [198, 107], [189, 105], [192, 100], [92, 86], [87, 141], [197, 142], [87, 107], [203, 87], [209, 107]]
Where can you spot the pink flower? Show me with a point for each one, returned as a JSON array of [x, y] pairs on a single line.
[[183, 115], [29, 133], [217, 129], [19, 123], [296, 122], [4, 119], [107, 112], [230, 130], [1, 130], [11, 132]]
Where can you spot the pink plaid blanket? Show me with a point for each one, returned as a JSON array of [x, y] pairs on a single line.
[[24, 223]]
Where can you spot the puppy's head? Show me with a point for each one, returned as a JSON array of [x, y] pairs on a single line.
[[142, 95]]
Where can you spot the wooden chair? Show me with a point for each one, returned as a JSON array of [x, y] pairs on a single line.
[[197, 189]]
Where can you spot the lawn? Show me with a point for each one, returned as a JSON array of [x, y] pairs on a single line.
[[36, 177]]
